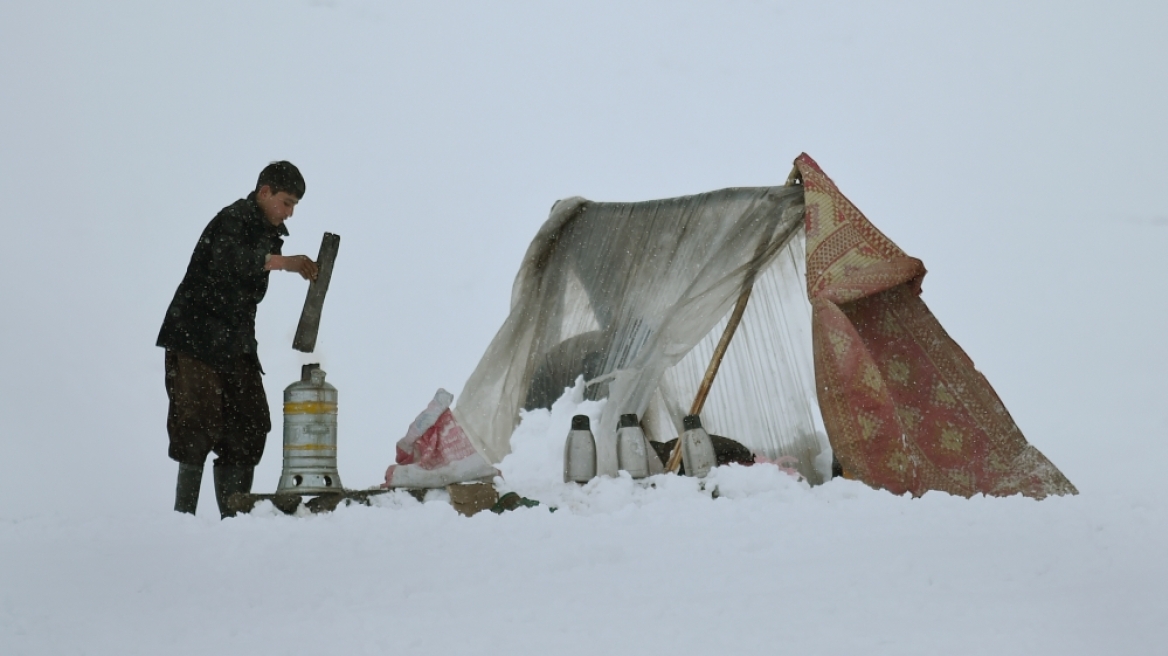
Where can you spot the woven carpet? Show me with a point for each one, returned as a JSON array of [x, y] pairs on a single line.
[[904, 407]]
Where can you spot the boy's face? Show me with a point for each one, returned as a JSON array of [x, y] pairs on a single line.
[[277, 208]]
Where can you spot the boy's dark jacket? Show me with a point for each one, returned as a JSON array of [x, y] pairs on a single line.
[[212, 316]]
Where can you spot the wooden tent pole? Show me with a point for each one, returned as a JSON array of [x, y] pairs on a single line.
[[712, 370], [720, 352], [795, 178]]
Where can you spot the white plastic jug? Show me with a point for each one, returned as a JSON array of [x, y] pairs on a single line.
[[631, 447], [607, 460], [579, 452], [697, 449]]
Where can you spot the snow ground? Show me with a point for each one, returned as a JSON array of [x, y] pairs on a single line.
[[1018, 149], [765, 564], [769, 566]]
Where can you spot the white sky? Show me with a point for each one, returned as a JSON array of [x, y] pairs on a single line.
[[1017, 148]]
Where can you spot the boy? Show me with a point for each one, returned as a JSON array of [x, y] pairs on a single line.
[[217, 399]]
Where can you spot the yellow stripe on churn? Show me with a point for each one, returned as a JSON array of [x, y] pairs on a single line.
[[310, 408]]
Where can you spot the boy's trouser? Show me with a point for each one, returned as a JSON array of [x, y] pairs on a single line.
[[224, 410]]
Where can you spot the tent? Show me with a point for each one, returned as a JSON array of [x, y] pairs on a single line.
[[805, 317]]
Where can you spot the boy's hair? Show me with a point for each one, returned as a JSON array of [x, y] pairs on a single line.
[[282, 176]]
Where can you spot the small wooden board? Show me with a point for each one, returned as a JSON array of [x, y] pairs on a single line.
[[287, 503], [305, 339], [470, 499]]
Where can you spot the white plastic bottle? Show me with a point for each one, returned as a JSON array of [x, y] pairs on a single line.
[[630, 447], [579, 452], [697, 449], [607, 460]]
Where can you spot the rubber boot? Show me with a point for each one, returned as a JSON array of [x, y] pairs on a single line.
[[245, 482], [228, 482], [186, 492]]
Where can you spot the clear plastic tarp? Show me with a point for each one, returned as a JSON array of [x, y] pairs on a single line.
[[635, 296]]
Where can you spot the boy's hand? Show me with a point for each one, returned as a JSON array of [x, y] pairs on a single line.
[[295, 263]]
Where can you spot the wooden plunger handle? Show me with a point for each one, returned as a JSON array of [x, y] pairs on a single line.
[[306, 330]]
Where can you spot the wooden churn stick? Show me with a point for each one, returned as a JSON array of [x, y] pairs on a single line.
[[305, 339]]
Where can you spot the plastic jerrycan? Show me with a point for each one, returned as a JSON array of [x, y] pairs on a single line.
[[580, 452], [631, 447], [697, 449]]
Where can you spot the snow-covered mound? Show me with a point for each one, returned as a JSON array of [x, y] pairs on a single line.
[[766, 564], [534, 469]]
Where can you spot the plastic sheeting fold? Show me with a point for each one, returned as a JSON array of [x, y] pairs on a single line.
[[622, 293]]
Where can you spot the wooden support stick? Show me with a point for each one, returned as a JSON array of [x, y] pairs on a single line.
[[712, 370], [720, 352], [795, 178], [305, 339]]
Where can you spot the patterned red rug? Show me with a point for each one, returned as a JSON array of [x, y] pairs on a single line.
[[904, 407]]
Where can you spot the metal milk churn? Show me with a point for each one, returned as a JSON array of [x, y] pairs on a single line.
[[697, 449], [310, 435], [631, 447], [580, 452]]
